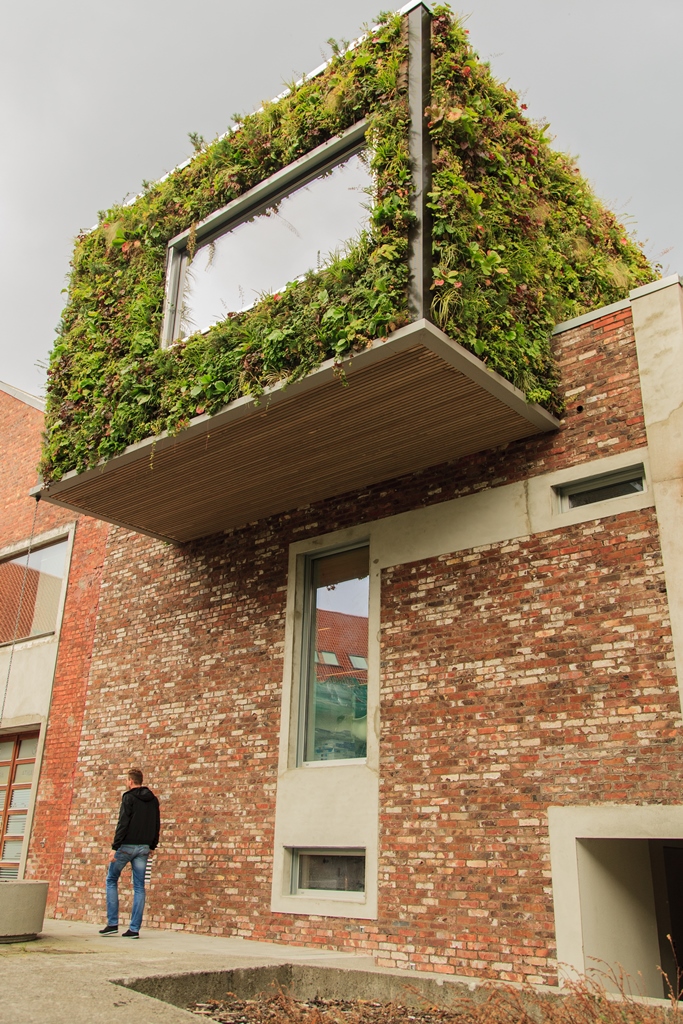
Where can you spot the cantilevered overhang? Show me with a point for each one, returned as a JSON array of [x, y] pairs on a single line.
[[415, 400]]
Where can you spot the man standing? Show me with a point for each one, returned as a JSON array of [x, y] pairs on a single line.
[[137, 833]]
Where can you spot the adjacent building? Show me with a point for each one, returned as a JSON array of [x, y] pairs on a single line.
[[50, 561]]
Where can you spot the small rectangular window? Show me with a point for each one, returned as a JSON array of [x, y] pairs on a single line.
[[601, 488], [30, 589], [328, 871], [334, 689]]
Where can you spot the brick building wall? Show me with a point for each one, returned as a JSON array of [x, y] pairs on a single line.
[[62, 740], [22, 427], [22, 430], [513, 675]]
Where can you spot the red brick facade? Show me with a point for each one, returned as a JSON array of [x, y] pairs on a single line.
[[60, 755], [22, 429], [513, 676]]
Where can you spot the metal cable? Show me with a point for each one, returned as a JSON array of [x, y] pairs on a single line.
[[18, 617]]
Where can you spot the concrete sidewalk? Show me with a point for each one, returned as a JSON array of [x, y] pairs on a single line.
[[65, 976]]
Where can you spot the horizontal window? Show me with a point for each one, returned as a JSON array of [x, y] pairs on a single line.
[[601, 488], [328, 871], [268, 242], [328, 658], [358, 661], [30, 589]]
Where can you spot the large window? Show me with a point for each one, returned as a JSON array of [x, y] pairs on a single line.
[[30, 589], [335, 650], [17, 764], [266, 239]]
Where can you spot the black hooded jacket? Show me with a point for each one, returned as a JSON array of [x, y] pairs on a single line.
[[138, 819]]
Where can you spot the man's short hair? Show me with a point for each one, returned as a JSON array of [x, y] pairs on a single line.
[[135, 776]]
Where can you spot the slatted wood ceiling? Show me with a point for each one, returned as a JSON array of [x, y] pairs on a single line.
[[406, 410]]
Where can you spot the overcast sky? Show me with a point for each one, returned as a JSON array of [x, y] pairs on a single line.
[[97, 96]]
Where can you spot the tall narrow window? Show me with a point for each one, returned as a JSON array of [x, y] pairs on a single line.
[[335, 690], [30, 588], [17, 764]]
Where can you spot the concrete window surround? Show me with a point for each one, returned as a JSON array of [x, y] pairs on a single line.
[[326, 804], [335, 804], [603, 892]]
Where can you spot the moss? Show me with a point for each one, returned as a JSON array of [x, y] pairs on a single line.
[[519, 243]]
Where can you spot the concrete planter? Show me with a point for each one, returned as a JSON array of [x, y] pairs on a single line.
[[22, 909]]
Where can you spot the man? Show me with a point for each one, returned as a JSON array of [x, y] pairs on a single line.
[[137, 833]]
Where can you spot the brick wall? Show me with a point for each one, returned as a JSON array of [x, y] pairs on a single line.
[[22, 426], [22, 429], [69, 688], [512, 676]]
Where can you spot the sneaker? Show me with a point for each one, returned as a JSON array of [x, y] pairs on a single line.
[[111, 929], [130, 935]]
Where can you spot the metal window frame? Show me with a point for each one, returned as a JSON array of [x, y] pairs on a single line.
[[593, 483], [307, 653], [255, 201], [355, 896], [418, 19]]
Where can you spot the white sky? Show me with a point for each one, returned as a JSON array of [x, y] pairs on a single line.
[[96, 96]]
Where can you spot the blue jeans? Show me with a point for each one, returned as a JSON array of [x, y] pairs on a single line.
[[137, 857]]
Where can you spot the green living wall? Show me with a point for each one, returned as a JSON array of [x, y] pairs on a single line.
[[520, 243]]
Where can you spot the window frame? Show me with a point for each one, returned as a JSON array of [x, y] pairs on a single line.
[[345, 896], [307, 655], [252, 203], [10, 787], [564, 491], [20, 551]]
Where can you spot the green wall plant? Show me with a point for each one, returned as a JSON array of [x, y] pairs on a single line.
[[519, 243]]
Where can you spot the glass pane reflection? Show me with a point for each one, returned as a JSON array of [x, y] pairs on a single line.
[[23, 773], [30, 588], [262, 255], [28, 748], [332, 872], [16, 825], [11, 849], [336, 726]]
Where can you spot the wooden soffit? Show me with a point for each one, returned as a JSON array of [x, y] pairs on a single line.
[[415, 400]]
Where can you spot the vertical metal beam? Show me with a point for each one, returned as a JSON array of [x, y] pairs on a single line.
[[419, 89]]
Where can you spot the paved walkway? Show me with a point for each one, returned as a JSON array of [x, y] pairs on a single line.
[[65, 976]]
